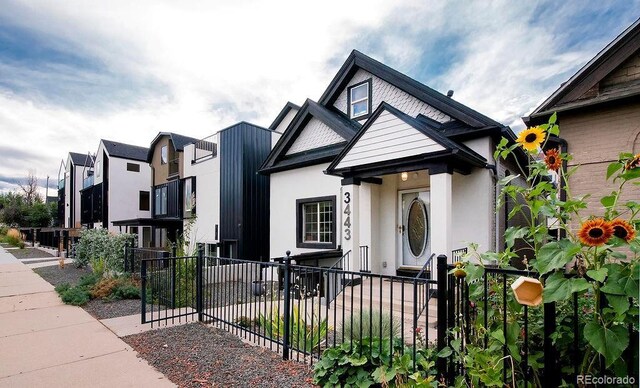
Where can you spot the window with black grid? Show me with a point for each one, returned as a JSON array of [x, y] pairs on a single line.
[[316, 222]]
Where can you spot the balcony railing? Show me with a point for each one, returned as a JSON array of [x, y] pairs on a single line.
[[204, 148], [87, 182], [174, 166]]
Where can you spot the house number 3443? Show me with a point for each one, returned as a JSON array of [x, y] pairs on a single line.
[[347, 212]]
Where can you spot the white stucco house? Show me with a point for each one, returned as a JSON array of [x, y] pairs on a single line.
[[71, 174], [117, 189], [384, 170]]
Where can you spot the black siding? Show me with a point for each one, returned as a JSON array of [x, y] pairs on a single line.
[[244, 194], [60, 220]]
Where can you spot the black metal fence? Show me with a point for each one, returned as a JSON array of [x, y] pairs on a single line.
[[300, 311], [287, 307], [540, 345]]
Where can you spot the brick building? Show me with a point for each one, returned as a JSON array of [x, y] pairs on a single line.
[[599, 116]]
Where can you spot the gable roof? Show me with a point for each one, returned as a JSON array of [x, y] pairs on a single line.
[[278, 160], [80, 159], [451, 107], [125, 151], [179, 141], [283, 113], [447, 147], [608, 59]]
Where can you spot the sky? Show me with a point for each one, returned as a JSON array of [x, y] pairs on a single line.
[[73, 72]]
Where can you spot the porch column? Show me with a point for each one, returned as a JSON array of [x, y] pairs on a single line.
[[349, 222], [441, 205]]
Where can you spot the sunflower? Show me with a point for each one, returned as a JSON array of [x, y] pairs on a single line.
[[595, 232], [623, 230], [552, 159], [531, 138], [633, 163]]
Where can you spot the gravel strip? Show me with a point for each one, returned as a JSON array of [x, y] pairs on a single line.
[[104, 309], [195, 355], [56, 275], [29, 253]]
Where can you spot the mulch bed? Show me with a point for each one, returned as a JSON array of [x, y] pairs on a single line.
[[56, 275], [29, 253], [104, 309], [196, 355]]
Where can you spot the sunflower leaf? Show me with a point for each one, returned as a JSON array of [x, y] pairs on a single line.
[[610, 342], [554, 130], [608, 201], [598, 274], [553, 118], [613, 168], [555, 255]]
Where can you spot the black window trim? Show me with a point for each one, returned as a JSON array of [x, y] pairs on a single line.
[[140, 194], [370, 98], [133, 167], [299, 217]]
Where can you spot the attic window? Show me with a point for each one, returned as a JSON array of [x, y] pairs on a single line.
[[359, 96]]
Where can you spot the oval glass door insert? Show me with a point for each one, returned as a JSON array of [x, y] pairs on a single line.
[[418, 227]]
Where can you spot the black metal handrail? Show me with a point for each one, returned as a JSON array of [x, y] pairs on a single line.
[[423, 296], [338, 287]]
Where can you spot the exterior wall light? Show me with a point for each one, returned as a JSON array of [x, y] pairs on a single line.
[[404, 176]]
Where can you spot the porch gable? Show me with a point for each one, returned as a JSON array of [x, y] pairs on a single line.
[[388, 137]]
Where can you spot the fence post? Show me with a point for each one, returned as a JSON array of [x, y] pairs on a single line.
[[174, 254], [287, 306], [126, 263], [551, 377], [143, 290], [442, 314], [199, 290]]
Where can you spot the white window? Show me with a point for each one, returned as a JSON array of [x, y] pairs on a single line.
[[359, 99], [98, 168], [316, 222], [164, 155]]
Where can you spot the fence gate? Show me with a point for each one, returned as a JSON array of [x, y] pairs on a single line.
[[170, 289]]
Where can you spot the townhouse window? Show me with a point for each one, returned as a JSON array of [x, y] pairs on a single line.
[[189, 197], [144, 200], [164, 155], [316, 222], [160, 201], [359, 99], [133, 167]]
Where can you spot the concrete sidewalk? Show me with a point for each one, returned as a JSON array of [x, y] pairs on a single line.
[[45, 343]]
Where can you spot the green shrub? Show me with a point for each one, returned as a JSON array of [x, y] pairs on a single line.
[[370, 326], [62, 287], [88, 281], [125, 290], [104, 249], [375, 361], [303, 337], [76, 296], [244, 321]]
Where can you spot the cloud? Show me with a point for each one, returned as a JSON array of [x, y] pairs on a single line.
[[126, 70]]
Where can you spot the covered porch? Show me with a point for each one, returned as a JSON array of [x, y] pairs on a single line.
[[409, 194]]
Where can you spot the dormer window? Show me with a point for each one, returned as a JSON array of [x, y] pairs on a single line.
[[359, 96]]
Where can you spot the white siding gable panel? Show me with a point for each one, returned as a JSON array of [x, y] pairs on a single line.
[[388, 138], [288, 118], [383, 91], [315, 134]]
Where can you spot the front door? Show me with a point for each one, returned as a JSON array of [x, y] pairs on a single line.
[[415, 227]]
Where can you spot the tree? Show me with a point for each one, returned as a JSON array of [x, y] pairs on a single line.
[[30, 189], [13, 210], [38, 215]]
